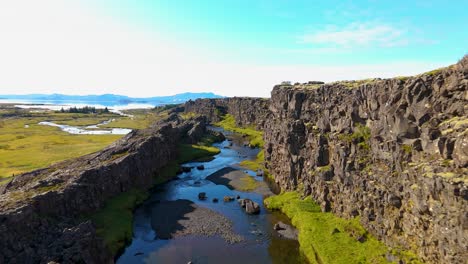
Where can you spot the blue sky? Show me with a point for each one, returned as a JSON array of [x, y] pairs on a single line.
[[241, 47], [291, 32]]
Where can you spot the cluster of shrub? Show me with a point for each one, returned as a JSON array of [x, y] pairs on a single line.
[[85, 110], [166, 107]]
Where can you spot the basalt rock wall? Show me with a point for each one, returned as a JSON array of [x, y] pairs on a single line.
[[393, 152], [41, 212], [246, 111]]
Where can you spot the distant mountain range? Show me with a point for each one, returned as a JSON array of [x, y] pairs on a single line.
[[108, 99]]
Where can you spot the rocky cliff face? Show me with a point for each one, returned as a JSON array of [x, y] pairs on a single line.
[[246, 111], [393, 152], [40, 211]]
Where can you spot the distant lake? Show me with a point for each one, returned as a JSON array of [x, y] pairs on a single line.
[[58, 104]]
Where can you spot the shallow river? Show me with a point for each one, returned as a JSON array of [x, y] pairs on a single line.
[[261, 243]]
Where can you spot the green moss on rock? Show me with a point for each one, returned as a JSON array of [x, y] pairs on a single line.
[[326, 238]]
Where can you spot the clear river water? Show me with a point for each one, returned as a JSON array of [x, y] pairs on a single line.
[[261, 243]]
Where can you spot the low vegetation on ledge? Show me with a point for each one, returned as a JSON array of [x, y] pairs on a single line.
[[255, 136], [115, 221], [326, 238], [255, 140]]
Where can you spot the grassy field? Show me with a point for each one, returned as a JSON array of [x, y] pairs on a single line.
[[26, 146], [141, 118], [326, 238]]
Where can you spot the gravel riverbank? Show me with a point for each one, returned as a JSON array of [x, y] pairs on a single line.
[[182, 217]]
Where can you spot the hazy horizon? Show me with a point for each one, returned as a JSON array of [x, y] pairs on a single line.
[[103, 94], [242, 48]]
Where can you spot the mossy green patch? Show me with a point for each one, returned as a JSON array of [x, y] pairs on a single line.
[[247, 183], [324, 168], [355, 83], [434, 72], [115, 221], [407, 148], [325, 238], [403, 78], [166, 173], [255, 136], [256, 164], [361, 134], [455, 123], [188, 115], [188, 152]]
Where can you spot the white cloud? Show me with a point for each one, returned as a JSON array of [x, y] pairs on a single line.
[[358, 35]]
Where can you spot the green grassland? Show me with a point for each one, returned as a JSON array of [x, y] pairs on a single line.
[[326, 238], [24, 148], [140, 119], [25, 145]]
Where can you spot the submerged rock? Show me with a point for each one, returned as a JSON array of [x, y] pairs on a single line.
[[285, 230], [250, 206], [202, 196], [186, 169], [228, 198]]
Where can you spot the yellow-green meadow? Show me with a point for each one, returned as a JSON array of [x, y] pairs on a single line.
[[25, 145]]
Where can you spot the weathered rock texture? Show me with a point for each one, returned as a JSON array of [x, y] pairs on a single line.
[[40, 210], [394, 152], [246, 111]]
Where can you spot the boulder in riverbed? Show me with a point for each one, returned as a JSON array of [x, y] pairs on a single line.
[[285, 230], [186, 169], [228, 198], [202, 196], [277, 227], [250, 206]]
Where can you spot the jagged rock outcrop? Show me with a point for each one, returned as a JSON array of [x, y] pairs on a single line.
[[246, 111], [40, 211], [393, 152]]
